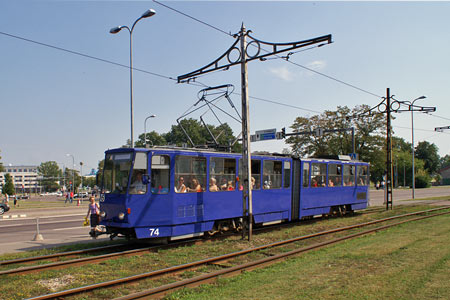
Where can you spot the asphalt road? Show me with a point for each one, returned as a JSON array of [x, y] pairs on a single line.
[[57, 227], [400, 195], [60, 226]]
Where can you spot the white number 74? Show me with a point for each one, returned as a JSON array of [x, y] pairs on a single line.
[[154, 231]]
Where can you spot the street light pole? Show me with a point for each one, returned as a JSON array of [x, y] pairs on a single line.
[[145, 130], [412, 138], [115, 30], [81, 173], [73, 171]]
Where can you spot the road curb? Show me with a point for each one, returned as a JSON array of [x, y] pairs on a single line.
[[13, 216]]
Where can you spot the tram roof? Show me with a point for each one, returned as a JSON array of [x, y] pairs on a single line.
[[337, 158]]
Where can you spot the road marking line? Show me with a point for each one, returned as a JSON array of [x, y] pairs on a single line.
[[68, 228]]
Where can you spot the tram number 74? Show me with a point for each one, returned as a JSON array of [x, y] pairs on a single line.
[[154, 231]]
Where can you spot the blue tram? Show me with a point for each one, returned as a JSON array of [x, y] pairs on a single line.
[[176, 193]]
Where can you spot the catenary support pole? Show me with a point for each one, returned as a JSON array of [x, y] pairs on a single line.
[[246, 152]]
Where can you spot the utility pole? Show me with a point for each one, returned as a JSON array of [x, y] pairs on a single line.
[[389, 105], [246, 152], [388, 184], [224, 62]]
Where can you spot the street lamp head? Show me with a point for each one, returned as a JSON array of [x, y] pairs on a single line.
[[148, 13], [421, 97], [116, 29], [153, 116]]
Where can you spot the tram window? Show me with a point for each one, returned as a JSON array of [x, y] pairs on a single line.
[[116, 172], [318, 174], [287, 174], [139, 169], [334, 175], [255, 171], [272, 174], [349, 175], [190, 174], [222, 174], [305, 174], [160, 174], [362, 175]]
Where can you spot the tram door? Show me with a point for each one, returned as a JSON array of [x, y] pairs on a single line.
[[296, 181]]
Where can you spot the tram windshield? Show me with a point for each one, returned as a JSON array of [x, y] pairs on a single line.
[[116, 172]]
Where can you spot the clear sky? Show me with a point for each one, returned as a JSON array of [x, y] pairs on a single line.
[[54, 102]]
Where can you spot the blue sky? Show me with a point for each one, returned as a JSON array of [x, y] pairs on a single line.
[[54, 102]]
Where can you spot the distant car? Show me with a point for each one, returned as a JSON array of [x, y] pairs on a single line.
[[3, 208], [81, 195]]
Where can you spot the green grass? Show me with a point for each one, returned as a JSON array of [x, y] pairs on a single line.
[[407, 262], [37, 203], [351, 265]]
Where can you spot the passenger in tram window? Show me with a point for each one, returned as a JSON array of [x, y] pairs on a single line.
[[314, 182], [230, 186], [253, 183], [212, 185], [181, 188], [224, 184], [330, 182], [266, 185], [138, 187], [195, 186]]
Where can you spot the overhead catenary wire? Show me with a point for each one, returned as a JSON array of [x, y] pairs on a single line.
[[289, 61], [281, 57], [195, 82]]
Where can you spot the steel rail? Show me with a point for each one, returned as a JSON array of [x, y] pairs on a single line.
[[206, 278], [81, 261], [60, 254], [99, 258], [217, 259], [85, 260]]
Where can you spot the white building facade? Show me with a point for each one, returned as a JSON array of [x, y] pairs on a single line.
[[25, 178]]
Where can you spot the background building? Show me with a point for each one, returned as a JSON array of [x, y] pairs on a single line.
[[25, 178], [445, 175]]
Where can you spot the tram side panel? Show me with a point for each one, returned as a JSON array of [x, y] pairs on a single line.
[[327, 185]]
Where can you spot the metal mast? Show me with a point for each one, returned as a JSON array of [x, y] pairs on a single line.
[[224, 62]]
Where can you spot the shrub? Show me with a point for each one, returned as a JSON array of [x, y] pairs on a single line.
[[423, 180]]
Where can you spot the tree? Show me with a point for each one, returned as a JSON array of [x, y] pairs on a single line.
[[153, 138], [8, 188], [72, 178], [422, 179], [2, 169], [50, 173], [198, 133], [369, 139], [444, 161], [403, 162], [429, 154], [89, 181]]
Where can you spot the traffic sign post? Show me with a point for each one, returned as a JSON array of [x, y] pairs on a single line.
[[264, 135]]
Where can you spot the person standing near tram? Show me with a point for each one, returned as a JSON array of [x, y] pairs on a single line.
[[94, 211]]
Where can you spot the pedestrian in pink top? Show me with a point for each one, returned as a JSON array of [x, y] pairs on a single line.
[[94, 210]]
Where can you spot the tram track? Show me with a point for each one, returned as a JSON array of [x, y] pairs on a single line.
[[122, 253], [223, 260]]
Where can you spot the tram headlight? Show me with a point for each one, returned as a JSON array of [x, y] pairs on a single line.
[[121, 216], [102, 214]]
